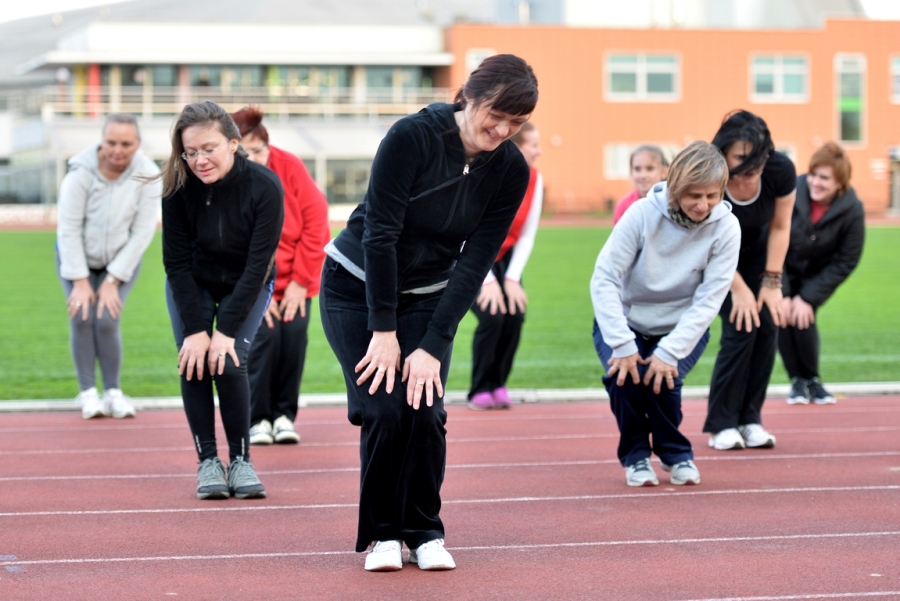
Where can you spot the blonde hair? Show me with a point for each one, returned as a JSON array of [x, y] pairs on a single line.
[[206, 113], [699, 164], [649, 149]]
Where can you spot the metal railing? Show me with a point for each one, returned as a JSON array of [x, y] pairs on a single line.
[[285, 101]]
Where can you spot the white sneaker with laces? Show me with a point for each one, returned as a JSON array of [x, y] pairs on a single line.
[[727, 440], [385, 556], [284, 432], [683, 472], [432, 556], [756, 437], [116, 404], [640, 473], [90, 403], [261, 433]]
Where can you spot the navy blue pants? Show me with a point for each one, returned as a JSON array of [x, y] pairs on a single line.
[[402, 451], [640, 413], [232, 384]]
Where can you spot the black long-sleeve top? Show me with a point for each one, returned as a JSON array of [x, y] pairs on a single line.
[[823, 254], [222, 237], [423, 203]]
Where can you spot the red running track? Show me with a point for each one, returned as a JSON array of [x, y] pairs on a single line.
[[535, 507]]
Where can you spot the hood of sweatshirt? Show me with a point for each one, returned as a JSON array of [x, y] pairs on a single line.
[[87, 159], [658, 196]]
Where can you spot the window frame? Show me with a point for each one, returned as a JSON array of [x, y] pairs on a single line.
[[894, 75], [641, 72], [837, 71], [778, 95]]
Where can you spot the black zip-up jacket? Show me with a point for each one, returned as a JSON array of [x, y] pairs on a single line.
[[422, 204], [222, 237], [822, 255]]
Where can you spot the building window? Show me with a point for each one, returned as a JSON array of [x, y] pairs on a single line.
[[850, 78], [347, 180], [895, 80], [776, 78], [642, 77]]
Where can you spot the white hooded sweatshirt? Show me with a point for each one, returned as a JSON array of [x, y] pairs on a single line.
[[102, 223], [663, 279]]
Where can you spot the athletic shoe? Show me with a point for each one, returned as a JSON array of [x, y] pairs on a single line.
[[90, 403], [432, 556], [501, 398], [727, 440], [481, 401], [211, 482], [799, 392], [261, 433], [683, 472], [641, 474], [117, 404], [756, 436], [242, 480], [284, 432], [819, 395], [384, 556]]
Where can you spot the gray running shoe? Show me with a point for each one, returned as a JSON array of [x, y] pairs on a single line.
[[211, 482], [242, 480]]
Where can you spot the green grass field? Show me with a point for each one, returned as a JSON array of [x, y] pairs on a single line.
[[860, 325]]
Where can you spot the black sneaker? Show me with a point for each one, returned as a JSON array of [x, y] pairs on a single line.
[[819, 395], [799, 392]]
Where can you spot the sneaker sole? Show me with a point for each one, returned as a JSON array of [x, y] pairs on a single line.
[[434, 568], [738, 446], [92, 414], [691, 482], [123, 415], [769, 444], [212, 495], [261, 441], [291, 438], [391, 567], [640, 484], [825, 401], [252, 494], [797, 401]]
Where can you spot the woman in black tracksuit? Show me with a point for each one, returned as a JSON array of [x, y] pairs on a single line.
[[222, 219], [827, 233], [445, 187]]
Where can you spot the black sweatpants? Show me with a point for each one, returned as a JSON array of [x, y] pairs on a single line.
[[495, 341], [232, 385], [275, 367], [800, 351], [745, 361], [402, 451]]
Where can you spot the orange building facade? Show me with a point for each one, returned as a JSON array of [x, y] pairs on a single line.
[[604, 91]]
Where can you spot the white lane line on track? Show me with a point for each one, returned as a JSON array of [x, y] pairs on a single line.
[[648, 494], [521, 464], [809, 596], [614, 543]]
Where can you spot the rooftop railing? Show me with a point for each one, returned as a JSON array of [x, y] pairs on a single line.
[[284, 101]]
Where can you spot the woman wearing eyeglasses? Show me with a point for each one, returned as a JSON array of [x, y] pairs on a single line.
[[761, 190], [222, 218]]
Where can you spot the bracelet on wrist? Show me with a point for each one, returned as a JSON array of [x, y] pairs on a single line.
[[771, 279]]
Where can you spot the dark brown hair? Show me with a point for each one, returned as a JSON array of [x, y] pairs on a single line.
[[519, 137], [249, 122], [832, 155], [505, 81]]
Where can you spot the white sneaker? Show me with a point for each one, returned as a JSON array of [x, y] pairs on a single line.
[[91, 405], [116, 404], [284, 432], [261, 433], [385, 556], [640, 473], [683, 472], [756, 436], [726, 440], [432, 556]]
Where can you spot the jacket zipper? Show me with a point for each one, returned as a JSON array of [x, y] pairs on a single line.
[[462, 185]]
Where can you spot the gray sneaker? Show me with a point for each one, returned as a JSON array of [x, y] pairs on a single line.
[[211, 482], [640, 473], [683, 472], [242, 480]]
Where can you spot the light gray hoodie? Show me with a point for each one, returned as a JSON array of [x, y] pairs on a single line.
[[663, 279], [104, 223]]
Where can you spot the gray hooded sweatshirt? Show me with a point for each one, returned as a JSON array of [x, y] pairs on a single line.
[[102, 223], [663, 279]]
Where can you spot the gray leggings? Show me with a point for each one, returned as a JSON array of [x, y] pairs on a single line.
[[96, 340]]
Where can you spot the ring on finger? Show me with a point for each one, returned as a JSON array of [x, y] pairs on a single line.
[[380, 370]]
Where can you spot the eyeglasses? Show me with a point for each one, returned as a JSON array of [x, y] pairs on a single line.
[[195, 154]]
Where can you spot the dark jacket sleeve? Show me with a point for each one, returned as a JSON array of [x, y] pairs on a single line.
[[177, 257], [477, 256], [269, 213], [817, 289], [393, 174]]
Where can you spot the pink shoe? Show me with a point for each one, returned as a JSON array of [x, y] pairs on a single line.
[[481, 401], [501, 398]]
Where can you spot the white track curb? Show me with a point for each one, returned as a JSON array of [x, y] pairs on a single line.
[[458, 397]]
